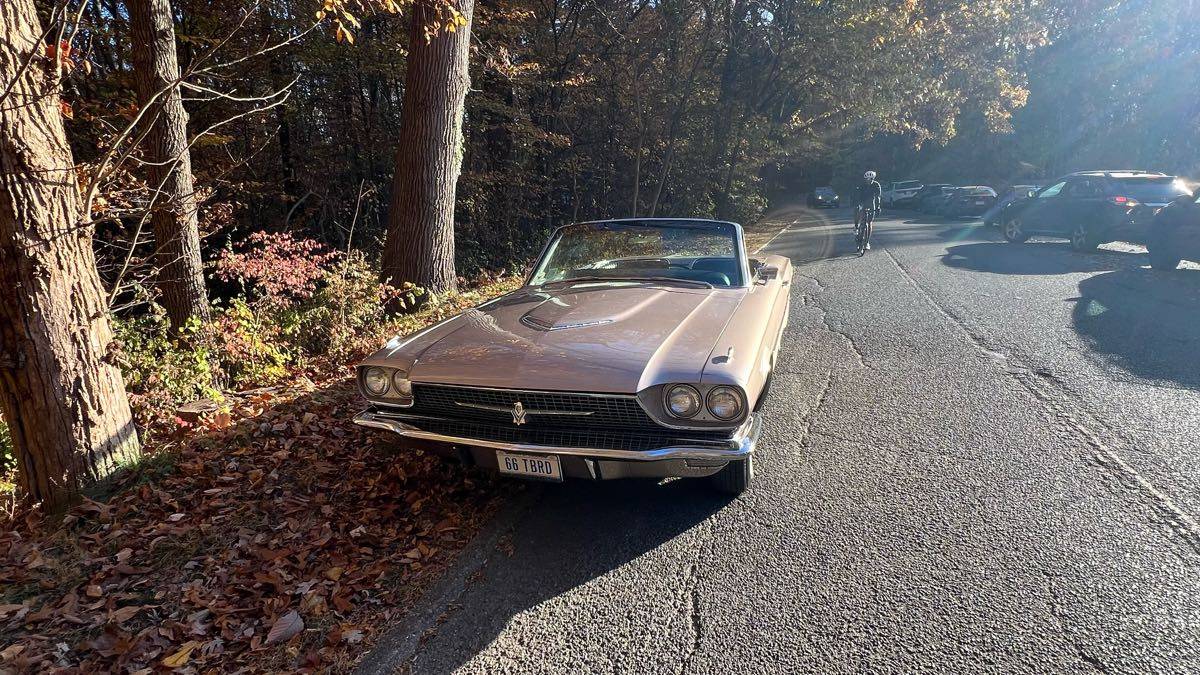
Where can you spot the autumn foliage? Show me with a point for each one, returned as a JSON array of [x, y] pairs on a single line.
[[283, 540], [270, 532]]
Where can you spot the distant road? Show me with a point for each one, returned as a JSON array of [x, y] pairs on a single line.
[[977, 456]]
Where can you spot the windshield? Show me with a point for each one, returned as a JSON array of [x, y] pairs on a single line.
[[1158, 190], [824, 191], [687, 252]]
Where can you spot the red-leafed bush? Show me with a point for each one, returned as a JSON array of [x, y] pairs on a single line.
[[276, 269]]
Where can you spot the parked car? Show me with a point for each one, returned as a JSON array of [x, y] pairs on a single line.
[[636, 348], [1174, 234], [824, 197], [900, 193], [935, 203], [928, 203], [1094, 207], [927, 190], [969, 200], [996, 215]]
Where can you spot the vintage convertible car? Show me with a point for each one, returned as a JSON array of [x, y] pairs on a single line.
[[636, 348]]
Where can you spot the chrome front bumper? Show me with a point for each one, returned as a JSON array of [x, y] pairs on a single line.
[[683, 457]]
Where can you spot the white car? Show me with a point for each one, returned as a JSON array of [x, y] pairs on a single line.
[[896, 193]]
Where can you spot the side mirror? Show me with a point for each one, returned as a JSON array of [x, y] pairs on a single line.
[[1030, 194], [768, 272]]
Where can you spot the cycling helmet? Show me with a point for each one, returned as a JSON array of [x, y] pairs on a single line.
[[870, 175]]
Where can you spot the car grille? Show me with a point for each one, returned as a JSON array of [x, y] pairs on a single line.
[[596, 437], [471, 403]]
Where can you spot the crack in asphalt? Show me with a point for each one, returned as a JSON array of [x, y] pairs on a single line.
[[820, 284], [810, 300], [806, 429], [1057, 605], [1054, 397], [691, 597]]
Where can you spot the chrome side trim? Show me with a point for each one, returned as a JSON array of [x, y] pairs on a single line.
[[740, 446]]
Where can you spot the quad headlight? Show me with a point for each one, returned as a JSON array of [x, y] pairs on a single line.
[[376, 381], [683, 401], [386, 383], [725, 403], [401, 385]]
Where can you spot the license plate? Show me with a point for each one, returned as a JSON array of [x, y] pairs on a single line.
[[542, 467], [980, 203]]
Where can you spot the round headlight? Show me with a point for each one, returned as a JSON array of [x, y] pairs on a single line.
[[401, 385], [375, 380], [724, 403], [683, 401]]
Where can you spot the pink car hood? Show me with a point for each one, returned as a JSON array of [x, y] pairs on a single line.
[[600, 338]]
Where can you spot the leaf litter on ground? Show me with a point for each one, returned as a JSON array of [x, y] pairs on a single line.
[[278, 537]]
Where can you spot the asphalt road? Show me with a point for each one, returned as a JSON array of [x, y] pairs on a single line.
[[977, 457]]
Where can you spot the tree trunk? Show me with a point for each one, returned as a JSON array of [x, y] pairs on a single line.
[[174, 218], [637, 159], [420, 238], [64, 403]]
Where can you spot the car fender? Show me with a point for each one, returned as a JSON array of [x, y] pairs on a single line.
[[745, 353]]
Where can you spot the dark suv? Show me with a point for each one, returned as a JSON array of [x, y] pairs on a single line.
[[1175, 233], [1093, 207]]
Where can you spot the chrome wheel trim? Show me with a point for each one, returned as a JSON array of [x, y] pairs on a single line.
[[1012, 229], [1079, 237]]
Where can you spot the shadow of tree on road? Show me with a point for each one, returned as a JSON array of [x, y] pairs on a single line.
[[575, 533], [1036, 259], [1147, 322]]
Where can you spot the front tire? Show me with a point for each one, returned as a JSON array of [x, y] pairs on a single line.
[[735, 478], [1161, 259], [1014, 231]]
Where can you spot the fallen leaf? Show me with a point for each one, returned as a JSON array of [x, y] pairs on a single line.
[[334, 573], [9, 609], [285, 628], [180, 658], [125, 613]]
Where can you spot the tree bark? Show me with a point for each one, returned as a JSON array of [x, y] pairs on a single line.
[[420, 238], [169, 161], [64, 403]]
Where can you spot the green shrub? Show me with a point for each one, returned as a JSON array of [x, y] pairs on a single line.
[[248, 346], [162, 371], [345, 314], [301, 306]]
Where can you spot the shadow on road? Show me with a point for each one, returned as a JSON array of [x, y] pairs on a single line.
[[1147, 322], [575, 533], [1039, 258]]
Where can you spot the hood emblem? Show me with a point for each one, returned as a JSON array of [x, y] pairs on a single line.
[[518, 413], [543, 325]]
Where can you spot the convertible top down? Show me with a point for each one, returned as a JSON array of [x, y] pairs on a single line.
[[635, 348]]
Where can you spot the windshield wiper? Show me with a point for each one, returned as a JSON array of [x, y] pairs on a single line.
[[662, 280]]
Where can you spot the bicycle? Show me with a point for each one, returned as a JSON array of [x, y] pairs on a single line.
[[864, 221]]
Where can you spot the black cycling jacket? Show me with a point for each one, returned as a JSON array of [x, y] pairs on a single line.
[[868, 194]]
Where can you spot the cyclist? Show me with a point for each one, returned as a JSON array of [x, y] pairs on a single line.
[[868, 196]]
